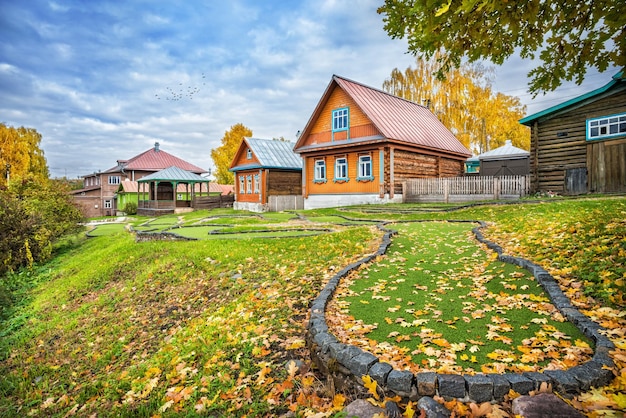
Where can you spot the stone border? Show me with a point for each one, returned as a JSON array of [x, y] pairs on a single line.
[[347, 364]]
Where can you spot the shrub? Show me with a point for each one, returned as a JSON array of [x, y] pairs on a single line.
[[130, 208]]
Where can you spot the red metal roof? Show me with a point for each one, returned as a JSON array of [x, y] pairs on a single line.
[[396, 118], [156, 159]]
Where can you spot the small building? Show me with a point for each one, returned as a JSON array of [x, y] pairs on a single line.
[[360, 144], [98, 197], [268, 176], [579, 146], [158, 192], [506, 160]]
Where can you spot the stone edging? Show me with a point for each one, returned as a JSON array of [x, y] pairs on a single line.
[[346, 364]]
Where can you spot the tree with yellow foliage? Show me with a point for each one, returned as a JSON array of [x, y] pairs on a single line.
[[223, 155], [20, 154], [464, 102]]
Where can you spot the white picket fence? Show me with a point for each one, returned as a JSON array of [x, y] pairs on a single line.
[[465, 189]]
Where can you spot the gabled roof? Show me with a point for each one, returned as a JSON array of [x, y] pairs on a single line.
[[617, 80], [395, 118], [269, 153], [174, 174], [505, 152], [130, 186], [155, 159]]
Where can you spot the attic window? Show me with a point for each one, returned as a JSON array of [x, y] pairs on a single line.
[[249, 154], [606, 127], [340, 119]]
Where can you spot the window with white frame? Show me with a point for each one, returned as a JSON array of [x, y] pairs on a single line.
[[249, 181], [606, 127], [242, 182], [257, 184], [320, 171], [365, 168], [249, 154], [341, 169], [114, 179], [108, 204], [340, 119]]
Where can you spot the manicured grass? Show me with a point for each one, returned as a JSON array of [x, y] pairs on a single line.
[[107, 229], [448, 306]]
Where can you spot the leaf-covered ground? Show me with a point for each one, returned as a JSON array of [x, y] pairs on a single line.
[[118, 328], [438, 302]]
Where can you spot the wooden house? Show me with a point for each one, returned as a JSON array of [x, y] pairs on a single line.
[[361, 143], [268, 176], [579, 146], [98, 197]]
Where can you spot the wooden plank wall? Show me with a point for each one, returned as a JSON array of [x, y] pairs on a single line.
[[559, 144], [410, 165], [284, 183]]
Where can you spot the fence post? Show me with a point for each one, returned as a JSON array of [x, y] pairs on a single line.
[[496, 188], [445, 190], [404, 192]]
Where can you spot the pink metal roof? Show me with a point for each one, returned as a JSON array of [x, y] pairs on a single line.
[[156, 159], [400, 119], [397, 119]]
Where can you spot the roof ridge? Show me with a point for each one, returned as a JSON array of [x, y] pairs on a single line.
[[378, 90]]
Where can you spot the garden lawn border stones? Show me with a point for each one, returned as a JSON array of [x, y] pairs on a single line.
[[346, 363]]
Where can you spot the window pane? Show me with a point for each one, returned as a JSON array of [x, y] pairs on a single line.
[[613, 129], [622, 127], [594, 132]]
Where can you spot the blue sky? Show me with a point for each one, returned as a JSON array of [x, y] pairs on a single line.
[[104, 80]]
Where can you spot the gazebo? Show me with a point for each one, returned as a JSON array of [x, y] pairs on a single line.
[[168, 191]]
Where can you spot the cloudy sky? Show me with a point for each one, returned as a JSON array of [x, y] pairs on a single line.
[[104, 80]]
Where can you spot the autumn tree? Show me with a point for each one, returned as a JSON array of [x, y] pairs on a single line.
[[566, 36], [21, 154], [223, 155], [464, 102]]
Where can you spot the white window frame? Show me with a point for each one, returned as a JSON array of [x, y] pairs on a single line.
[[341, 119], [108, 204], [249, 154], [249, 184], [319, 175], [365, 168], [242, 184], [341, 169], [606, 127], [114, 179], [257, 184]]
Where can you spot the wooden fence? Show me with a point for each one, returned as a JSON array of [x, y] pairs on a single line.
[[465, 189], [213, 202]]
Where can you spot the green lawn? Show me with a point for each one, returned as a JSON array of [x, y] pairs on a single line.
[[448, 306], [182, 328]]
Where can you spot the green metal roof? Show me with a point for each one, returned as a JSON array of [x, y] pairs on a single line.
[[173, 174], [617, 78]]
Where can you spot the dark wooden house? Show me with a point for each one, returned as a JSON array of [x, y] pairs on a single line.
[[268, 176], [579, 146], [361, 144]]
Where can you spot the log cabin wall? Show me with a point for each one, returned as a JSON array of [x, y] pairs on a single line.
[[282, 182], [560, 153], [410, 165]]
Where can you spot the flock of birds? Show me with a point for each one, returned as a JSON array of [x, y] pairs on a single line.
[[183, 92]]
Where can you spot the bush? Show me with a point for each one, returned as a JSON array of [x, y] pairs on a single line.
[[130, 208], [33, 214]]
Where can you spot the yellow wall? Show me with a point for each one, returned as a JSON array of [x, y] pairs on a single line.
[[351, 186]]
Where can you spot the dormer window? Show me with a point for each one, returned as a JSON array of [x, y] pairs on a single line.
[[249, 154]]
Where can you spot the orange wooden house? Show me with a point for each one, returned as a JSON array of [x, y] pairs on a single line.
[[361, 143], [268, 176]]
